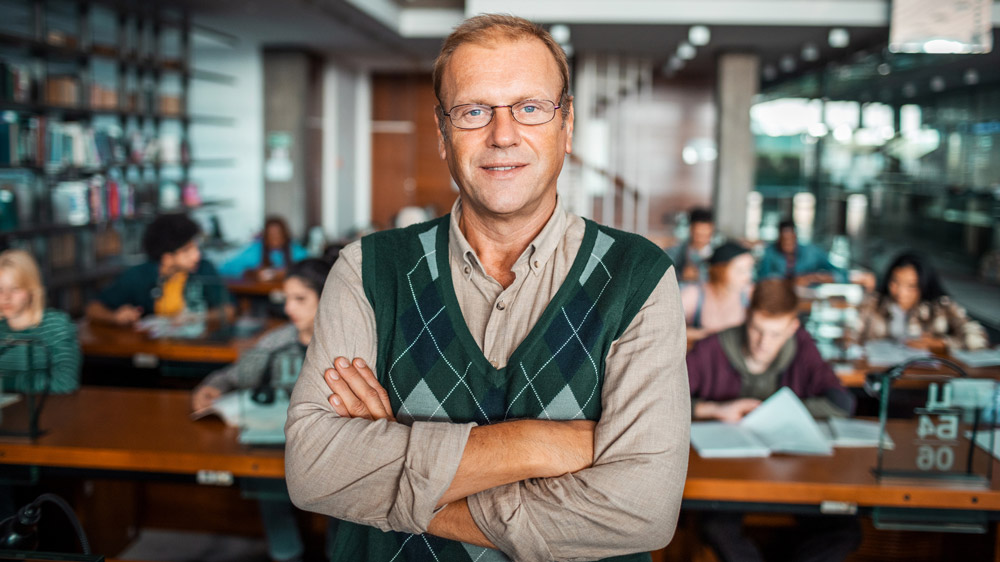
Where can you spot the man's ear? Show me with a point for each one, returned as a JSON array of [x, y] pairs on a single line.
[[569, 126], [442, 152], [794, 326]]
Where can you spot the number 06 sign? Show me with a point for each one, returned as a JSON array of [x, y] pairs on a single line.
[[943, 443]]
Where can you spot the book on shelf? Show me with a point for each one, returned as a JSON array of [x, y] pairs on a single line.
[[62, 90], [780, 424], [19, 208], [15, 82]]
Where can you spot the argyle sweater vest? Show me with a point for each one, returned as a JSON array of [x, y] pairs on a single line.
[[433, 369]]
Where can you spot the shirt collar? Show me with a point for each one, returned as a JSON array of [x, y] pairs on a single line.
[[537, 254]]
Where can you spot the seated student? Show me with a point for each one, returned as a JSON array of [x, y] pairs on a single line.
[[23, 316], [806, 264], [732, 372], [690, 257], [303, 286], [721, 302], [159, 285], [911, 305], [268, 255]]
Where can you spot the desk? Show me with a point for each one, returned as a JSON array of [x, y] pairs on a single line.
[[136, 430], [855, 376], [106, 340], [249, 291], [844, 477]]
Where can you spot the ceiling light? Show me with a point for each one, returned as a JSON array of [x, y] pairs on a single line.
[[838, 38], [937, 84], [810, 52], [787, 63], [971, 76], [568, 49], [675, 63], [909, 90], [699, 35], [686, 51], [560, 33], [884, 69]]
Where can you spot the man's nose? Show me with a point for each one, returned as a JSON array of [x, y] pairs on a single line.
[[504, 128]]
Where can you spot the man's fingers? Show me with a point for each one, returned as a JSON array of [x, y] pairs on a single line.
[[370, 398], [367, 374], [350, 405]]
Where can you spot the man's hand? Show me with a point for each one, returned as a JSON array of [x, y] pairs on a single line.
[[204, 397], [356, 391], [126, 315], [729, 412]]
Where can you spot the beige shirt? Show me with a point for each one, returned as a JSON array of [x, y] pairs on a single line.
[[391, 476]]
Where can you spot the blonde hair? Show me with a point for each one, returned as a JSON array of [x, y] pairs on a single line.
[[26, 275]]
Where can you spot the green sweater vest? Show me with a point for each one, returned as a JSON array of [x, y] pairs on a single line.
[[433, 369]]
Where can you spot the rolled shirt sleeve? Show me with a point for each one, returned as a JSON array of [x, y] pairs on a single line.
[[629, 500], [379, 473]]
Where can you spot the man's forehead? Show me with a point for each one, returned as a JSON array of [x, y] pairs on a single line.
[[483, 64]]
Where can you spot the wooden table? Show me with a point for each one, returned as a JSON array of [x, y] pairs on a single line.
[[855, 377], [138, 430], [106, 340], [845, 477]]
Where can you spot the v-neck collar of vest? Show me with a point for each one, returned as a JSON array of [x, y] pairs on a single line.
[[563, 294]]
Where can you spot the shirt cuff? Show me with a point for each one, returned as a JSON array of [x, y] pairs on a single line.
[[500, 515], [432, 457]]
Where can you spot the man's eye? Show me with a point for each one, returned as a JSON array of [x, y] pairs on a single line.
[[472, 112], [530, 108]]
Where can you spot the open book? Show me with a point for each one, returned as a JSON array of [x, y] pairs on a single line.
[[780, 424], [260, 424]]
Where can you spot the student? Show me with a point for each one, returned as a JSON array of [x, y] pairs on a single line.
[[911, 305], [268, 255], [690, 257], [732, 372], [160, 286], [805, 264], [721, 302], [23, 316], [302, 287]]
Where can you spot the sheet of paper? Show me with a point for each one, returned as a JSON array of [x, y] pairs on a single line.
[[978, 358], [847, 432], [886, 353], [783, 423], [717, 440], [983, 437]]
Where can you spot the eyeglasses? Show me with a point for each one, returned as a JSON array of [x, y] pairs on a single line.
[[527, 112]]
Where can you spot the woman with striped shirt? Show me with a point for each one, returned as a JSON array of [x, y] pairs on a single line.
[[25, 323]]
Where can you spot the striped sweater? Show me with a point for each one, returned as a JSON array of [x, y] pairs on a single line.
[[55, 350]]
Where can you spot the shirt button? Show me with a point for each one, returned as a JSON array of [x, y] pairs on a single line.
[[537, 264], [501, 305], [468, 270]]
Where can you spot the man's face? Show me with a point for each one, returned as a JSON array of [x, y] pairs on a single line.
[[787, 240], [701, 234], [504, 169], [766, 335], [186, 258]]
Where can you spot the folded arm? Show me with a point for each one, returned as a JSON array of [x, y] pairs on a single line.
[[365, 467], [628, 501]]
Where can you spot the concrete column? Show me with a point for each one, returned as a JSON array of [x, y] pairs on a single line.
[[738, 83], [293, 111]]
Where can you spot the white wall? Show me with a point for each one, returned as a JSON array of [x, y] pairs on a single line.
[[346, 150], [240, 180]]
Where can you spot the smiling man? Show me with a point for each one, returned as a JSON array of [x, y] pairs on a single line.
[[507, 381]]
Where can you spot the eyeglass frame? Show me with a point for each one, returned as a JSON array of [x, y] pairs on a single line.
[[493, 113]]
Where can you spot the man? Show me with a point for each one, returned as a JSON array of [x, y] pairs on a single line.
[[160, 285], [732, 372], [691, 256], [805, 264], [517, 389]]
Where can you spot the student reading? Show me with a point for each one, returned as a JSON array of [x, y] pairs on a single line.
[[303, 287], [732, 372], [160, 285], [268, 256]]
